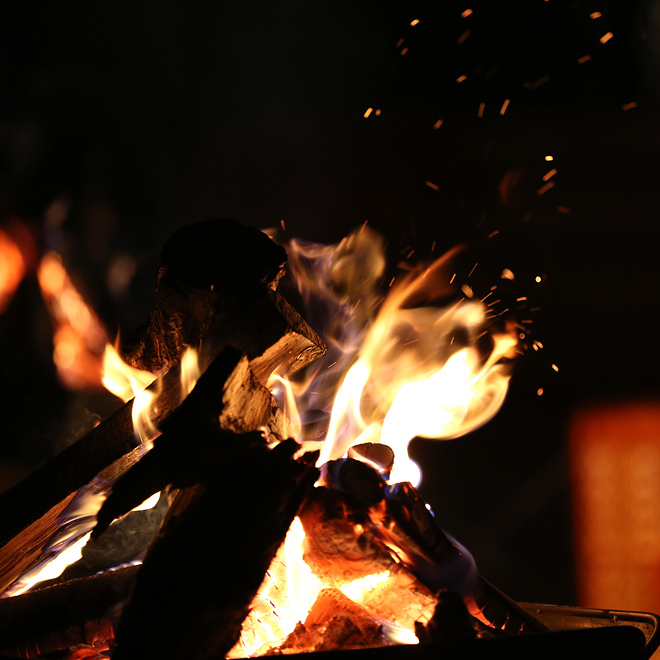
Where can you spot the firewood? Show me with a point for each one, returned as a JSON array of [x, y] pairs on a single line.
[[31, 512], [76, 612], [216, 288], [206, 565]]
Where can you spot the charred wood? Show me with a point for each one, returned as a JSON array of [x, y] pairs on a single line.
[[206, 565], [33, 510], [216, 288], [83, 611]]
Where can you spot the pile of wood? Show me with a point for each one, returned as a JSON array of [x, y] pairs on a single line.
[[234, 484]]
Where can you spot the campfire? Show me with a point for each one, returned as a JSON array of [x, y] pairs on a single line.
[[254, 495]]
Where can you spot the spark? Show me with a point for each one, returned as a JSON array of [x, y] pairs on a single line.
[[545, 188], [404, 51], [432, 185], [538, 83], [405, 249], [438, 124], [486, 296], [507, 274], [461, 79], [453, 277], [549, 158], [464, 36], [521, 335], [527, 321], [467, 291], [415, 22], [539, 391], [433, 246], [555, 367], [606, 37], [398, 43], [521, 298], [481, 110], [283, 224], [493, 303], [466, 13], [563, 209], [378, 113], [368, 112], [549, 174], [539, 344], [505, 105], [410, 254], [595, 14], [473, 267], [629, 106], [583, 59], [392, 281], [493, 233]]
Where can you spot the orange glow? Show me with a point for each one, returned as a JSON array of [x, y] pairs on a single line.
[[466, 13], [482, 106], [368, 112], [583, 59], [550, 174], [505, 105], [629, 106], [595, 14], [606, 37], [78, 335], [438, 124], [356, 589], [12, 269], [404, 51], [432, 185], [415, 22], [461, 79], [545, 188]]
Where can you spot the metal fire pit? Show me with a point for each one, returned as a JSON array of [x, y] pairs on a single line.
[[575, 633]]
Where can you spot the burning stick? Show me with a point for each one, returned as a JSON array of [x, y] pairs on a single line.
[[206, 565], [246, 313], [75, 612]]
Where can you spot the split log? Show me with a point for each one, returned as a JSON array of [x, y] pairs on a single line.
[[244, 312], [206, 565], [84, 611], [33, 510], [216, 287]]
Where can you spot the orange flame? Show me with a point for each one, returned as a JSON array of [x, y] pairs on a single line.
[[402, 373], [78, 335]]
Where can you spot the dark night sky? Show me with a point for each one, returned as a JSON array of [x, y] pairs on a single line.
[[149, 115]]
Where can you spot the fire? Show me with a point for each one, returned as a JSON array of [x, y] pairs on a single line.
[[12, 269], [413, 368], [358, 588], [78, 335]]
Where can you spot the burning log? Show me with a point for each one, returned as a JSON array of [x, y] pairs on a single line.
[[206, 565], [227, 301], [32, 511], [216, 285], [55, 618]]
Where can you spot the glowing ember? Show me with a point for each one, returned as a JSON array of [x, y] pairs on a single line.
[[12, 269]]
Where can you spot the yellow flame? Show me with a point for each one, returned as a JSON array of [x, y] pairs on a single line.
[[121, 379], [358, 588], [189, 371], [414, 369], [78, 335]]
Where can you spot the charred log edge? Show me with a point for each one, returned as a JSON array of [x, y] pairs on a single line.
[[62, 613], [226, 396], [218, 252], [30, 511], [252, 504], [420, 528]]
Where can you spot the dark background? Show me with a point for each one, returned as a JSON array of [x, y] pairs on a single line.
[[141, 117]]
